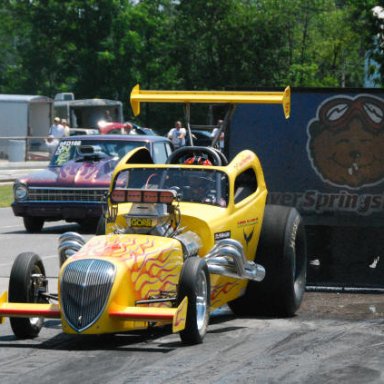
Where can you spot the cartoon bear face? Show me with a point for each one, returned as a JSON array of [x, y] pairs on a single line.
[[346, 141]]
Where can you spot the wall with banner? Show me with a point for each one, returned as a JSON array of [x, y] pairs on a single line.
[[327, 160]]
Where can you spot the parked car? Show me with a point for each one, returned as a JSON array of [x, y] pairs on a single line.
[[201, 137], [82, 131], [146, 131], [181, 240], [77, 179], [111, 128]]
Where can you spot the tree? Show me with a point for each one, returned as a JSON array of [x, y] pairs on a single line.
[[11, 69], [102, 48], [376, 44], [60, 43]]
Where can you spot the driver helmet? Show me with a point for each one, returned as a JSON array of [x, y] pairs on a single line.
[[197, 160]]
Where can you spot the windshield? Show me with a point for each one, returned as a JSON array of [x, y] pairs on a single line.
[[193, 185], [67, 149]]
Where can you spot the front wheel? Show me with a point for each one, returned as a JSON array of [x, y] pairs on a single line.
[[89, 225], [26, 281], [195, 284], [33, 224]]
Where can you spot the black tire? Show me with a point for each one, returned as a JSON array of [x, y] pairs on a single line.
[[282, 252], [21, 290], [100, 229], [33, 224], [195, 284], [89, 225]]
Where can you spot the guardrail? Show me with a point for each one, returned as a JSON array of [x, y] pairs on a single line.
[[26, 148]]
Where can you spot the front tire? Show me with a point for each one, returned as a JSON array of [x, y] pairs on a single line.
[[282, 252], [195, 284], [89, 225], [33, 224], [22, 290]]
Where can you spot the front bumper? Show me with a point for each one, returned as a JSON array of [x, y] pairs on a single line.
[[134, 315], [70, 211]]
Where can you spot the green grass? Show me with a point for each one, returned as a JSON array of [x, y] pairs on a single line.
[[6, 195]]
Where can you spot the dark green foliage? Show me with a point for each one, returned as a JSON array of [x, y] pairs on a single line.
[[102, 48]]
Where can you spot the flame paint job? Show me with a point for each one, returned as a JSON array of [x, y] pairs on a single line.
[[147, 267], [153, 262], [79, 174]]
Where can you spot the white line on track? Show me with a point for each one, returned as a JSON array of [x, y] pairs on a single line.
[[11, 226], [43, 258]]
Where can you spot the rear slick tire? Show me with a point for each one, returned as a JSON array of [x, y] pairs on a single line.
[[282, 252]]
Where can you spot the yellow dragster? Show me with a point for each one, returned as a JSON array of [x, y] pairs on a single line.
[[177, 241]]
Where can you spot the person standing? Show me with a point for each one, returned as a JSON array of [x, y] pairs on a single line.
[[177, 135], [67, 131], [107, 116], [56, 130], [218, 135], [127, 129]]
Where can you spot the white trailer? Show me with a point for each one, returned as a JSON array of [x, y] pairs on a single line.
[[22, 117]]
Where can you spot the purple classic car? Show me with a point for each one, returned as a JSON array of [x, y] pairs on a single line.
[[74, 186]]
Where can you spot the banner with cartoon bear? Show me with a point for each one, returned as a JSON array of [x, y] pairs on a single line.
[[327, 160]]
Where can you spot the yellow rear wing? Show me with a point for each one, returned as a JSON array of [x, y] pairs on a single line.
[[213, 97]]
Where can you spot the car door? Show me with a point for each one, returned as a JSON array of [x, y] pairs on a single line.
[[248, 208]]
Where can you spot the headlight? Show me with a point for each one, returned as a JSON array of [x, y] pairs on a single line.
[[20, 192]]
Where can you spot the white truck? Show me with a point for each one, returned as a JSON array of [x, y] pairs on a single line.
[[86, 113]]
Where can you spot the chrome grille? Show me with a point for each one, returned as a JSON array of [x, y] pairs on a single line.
[[66, 194], [85, 288]]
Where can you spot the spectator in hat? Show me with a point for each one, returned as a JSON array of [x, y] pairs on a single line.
[[56, 130], [65, 124]]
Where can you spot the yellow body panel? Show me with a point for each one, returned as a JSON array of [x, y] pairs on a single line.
[[243, 220], [3, 300], [146, 266], [175, 316]]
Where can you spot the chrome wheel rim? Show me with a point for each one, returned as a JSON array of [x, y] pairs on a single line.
[[35, 321], [201, 302]]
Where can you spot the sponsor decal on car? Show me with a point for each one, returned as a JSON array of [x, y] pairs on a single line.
[[247, 222], [222, 235], [141, 222]]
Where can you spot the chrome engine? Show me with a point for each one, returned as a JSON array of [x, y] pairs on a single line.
[[227, 258], [69, 244], [147, 218]]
